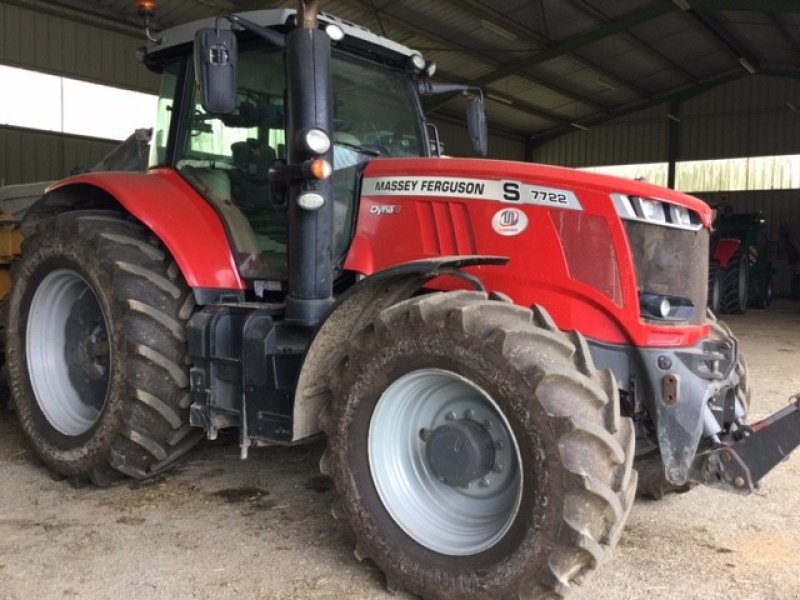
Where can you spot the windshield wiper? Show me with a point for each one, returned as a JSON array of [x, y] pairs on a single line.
[[368, 149]]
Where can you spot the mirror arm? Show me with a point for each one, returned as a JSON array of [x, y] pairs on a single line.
[[429, 88], [270, 35]]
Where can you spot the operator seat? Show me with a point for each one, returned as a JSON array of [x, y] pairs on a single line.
[[250, 180], [250, 189]]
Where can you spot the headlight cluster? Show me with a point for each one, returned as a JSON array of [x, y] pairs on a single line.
[[636, 208], [665, 308], [315, 141]]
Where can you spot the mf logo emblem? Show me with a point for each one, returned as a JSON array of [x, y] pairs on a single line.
[[509, 218], [510, 221]]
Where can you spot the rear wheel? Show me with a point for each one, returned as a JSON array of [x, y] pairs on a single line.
[[475, 450], [96, 347], [735, 284], [714, 286]]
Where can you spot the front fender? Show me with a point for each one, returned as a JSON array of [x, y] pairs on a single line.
[[187, 225], [355, 309]]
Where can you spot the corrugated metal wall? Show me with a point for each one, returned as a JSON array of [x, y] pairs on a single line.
[[746, 117], [27, 156], [76, 48], [45, 42], [457, 143], [635, 139]]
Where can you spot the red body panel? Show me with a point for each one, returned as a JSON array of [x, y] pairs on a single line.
[[178, 216], [399, 226], [724, 250]]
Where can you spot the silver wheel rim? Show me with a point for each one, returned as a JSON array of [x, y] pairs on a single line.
[[456, 521], [67, 350]]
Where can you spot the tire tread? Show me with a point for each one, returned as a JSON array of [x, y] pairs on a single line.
[[595, 443]]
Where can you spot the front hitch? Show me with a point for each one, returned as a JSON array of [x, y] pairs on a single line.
[[753, 452]]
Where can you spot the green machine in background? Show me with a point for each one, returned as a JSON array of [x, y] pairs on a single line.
[[740, 268]]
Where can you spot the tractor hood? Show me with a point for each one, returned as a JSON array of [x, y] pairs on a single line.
[[481, 179], [592, 248]]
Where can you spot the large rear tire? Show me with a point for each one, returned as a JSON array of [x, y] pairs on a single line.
[[735, 284], [475, 450], [714, 286], [96, 349]]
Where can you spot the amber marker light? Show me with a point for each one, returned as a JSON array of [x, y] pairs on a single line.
[[146, 8], [321, 168]]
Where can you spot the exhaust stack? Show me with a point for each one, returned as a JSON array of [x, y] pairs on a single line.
[[308, 56]]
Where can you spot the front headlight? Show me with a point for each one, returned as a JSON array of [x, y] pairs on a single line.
[[652, 210], [636, 208], [681, 216], [665, 308], [315, 141]]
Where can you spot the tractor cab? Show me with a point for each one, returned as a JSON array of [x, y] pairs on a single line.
[[227, 158]]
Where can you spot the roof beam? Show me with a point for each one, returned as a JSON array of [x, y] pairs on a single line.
[[592, 11], [784, 32], [245, 5], [86, 13], [509, 101], [633, 107], [679, 96], [746, 5], [481, 12], [414, 29], [739, 50], [653, 11]]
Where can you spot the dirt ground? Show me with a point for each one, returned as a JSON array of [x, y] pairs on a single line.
[[218, 527]]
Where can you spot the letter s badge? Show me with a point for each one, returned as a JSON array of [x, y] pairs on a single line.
[[511, 191]]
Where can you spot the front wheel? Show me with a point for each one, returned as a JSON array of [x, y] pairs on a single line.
[[476, 451], [96, 348]]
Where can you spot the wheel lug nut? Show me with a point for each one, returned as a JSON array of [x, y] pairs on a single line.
[[498, 445], [469, 414], [497, 468], [484, 483], [424, 434], [451, 416]]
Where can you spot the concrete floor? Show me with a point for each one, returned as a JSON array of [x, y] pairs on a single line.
[[218, 527]]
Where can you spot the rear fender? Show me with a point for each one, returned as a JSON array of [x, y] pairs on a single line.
[[355, 309], [187, 225], [724, 251]]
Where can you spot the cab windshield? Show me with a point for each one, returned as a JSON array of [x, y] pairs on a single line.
[[227, 158]]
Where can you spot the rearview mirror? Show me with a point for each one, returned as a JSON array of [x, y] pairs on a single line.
[[476, 125], [216, 62]]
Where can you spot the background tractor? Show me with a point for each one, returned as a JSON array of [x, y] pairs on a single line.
[[487, 346], [740, 269]]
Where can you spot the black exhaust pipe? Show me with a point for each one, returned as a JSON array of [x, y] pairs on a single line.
[[308, 55]]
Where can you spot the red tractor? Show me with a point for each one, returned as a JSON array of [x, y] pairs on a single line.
[[487, 346]]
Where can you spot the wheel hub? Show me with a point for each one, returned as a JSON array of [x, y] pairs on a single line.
[[460, 452], [445, 462]]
